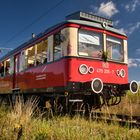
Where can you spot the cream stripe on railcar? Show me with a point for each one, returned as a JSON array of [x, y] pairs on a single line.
[[104, 43], [73, 42], [64, 45], [125, 52]]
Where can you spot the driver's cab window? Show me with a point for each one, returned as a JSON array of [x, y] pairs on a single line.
[[90, 44], [115, 49]]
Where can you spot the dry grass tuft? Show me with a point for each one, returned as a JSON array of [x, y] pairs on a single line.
[[15, 121], [22, 111]]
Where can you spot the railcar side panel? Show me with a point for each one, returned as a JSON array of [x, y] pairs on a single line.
[[6, 84], [45, 76], [59, 73]]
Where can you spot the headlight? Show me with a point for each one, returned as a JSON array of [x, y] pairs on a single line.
[[90, 70], [83, 69], [118, 72], [122, 73]]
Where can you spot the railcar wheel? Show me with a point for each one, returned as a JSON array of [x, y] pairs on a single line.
[[58, 108], [86, 110]]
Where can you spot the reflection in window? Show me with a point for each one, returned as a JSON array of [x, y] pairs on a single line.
[[115, 49], [90, 44], [57, 46]]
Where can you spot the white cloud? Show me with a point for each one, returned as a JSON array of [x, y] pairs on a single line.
[[130, 7], [134, 62], [131, 28], [106, 9]]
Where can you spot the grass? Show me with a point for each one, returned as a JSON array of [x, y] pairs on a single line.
[[65, 128], [23, 122]]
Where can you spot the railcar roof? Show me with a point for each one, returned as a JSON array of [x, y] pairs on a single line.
[[80, 22], [97, 25]]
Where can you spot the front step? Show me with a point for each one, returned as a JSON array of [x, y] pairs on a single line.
[[75, 100]]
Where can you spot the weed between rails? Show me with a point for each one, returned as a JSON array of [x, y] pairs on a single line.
[[24, 121]]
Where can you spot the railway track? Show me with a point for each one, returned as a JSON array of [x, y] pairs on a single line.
[[123, 120]]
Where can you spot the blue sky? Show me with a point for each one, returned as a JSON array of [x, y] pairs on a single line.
[[20, 18]]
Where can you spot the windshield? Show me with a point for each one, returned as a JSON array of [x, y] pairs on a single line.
[[90, 44], [115, 49]]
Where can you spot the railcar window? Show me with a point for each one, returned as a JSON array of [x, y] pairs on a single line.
[[22, 61], [11, 68], [41, 54], [30, 60], [115, 49], [34, 55], [4, 68], [57, 46], [1, 69], [7, 66], [90, 44]]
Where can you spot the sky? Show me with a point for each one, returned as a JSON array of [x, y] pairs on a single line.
[[20, 18]]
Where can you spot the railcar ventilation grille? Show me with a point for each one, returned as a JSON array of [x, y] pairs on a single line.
[[89, 17]]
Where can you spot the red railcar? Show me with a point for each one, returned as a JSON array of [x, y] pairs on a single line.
[[79, 60]]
